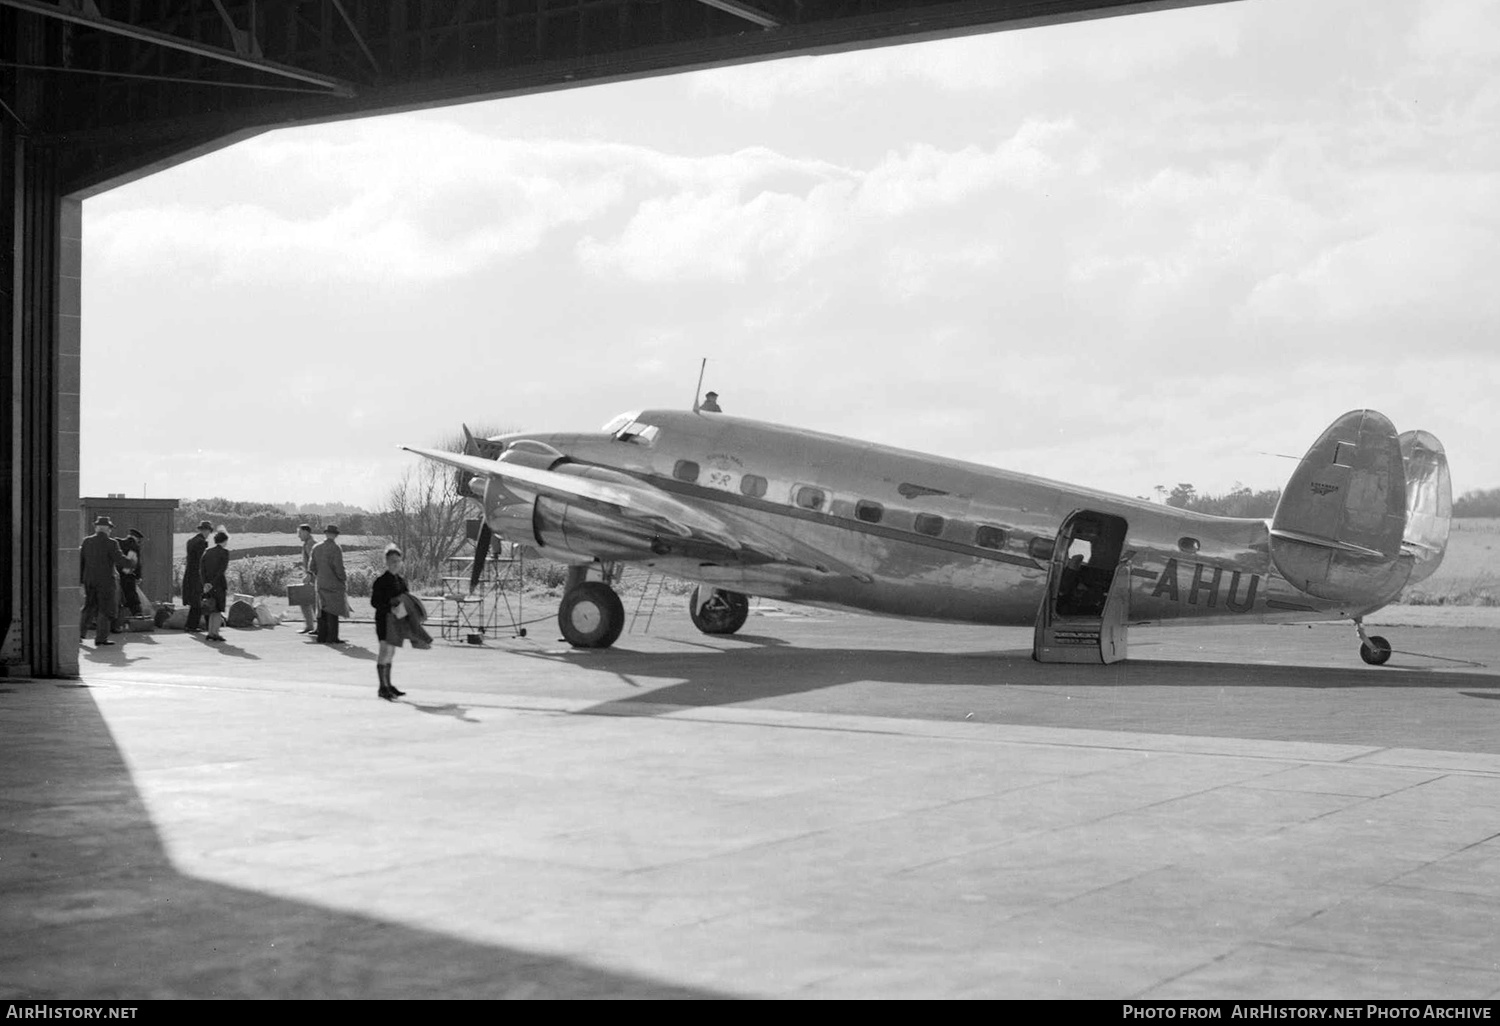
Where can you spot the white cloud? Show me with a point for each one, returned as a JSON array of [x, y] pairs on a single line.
[[720, 235], [1464, 29], [415, 201]]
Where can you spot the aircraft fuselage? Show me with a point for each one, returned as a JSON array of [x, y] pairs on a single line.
[[911, 535]]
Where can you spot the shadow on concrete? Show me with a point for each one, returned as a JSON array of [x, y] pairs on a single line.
[[110, 655], [1370, 705], [452, 710], [92, 907]]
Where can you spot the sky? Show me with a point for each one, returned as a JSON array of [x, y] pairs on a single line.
[[1137, 251]]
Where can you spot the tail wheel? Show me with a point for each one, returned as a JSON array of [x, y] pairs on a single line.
[[591, 615], [1375, 651], [724, 613]]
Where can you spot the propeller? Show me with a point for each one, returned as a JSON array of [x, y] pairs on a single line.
[[486, 536], [481, 553]]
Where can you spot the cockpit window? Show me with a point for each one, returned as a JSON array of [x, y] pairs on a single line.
[[618, 422], [636, 431]]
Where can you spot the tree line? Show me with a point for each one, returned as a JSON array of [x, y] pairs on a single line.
[[265, 518], [1240, 501], [1478, 503]]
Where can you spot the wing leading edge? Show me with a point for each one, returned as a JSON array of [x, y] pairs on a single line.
[[619, 494]]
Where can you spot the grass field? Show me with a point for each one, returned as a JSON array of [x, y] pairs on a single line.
[[1470, 572], [276, 544]]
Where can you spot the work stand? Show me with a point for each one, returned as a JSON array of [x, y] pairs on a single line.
[[495, 607]]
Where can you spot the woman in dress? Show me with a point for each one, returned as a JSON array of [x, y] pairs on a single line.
[[386, 596], [215, 584]]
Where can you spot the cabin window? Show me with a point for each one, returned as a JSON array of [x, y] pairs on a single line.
[[987, 537], [1187, 544], [869, 512], [753, 485], [1041, 548], [929, 524], [685, 470], [809, 497]]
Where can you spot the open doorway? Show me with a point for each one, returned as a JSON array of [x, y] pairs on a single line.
[[1089, 548]]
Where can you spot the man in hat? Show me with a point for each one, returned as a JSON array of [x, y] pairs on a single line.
[[711, 403], [327, 562], [99, 557], [130, 576], [192, 574]]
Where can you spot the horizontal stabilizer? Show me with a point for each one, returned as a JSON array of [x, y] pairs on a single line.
[[1325, 543]]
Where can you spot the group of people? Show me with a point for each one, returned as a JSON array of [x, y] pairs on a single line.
[[109, 572], [205, 588]]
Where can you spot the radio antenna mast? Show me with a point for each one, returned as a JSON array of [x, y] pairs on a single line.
[[699, 390]]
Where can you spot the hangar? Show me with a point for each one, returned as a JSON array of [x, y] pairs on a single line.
[[95, 93]]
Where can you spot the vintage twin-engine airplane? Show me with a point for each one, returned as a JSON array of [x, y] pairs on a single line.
[[742, 507]]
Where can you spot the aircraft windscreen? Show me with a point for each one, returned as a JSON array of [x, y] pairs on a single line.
[[637, 431], [618, 422]]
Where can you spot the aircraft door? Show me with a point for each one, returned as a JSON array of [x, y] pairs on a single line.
[[1085, 610], [1114, 622]]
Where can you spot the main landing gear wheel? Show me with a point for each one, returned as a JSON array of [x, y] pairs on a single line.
[[591, 615], [1375, 650], [724, 613]]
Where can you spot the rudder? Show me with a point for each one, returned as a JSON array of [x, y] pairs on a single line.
[[1429, 502]]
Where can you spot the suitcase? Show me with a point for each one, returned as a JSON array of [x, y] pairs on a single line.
[[301, 594]]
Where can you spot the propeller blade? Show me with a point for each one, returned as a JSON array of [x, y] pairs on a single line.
[[471, 447], [481, 553]]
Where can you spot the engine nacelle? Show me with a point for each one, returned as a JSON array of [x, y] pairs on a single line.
[[569, 531]]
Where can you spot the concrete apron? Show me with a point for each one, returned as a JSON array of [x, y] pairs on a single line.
[[198, 827]]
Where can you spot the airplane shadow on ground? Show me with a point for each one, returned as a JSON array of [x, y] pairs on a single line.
[[94, 907], [1395, 707]]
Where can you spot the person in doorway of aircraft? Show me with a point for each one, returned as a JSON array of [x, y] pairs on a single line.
[[99, 558], [327, 562], [711, 403]]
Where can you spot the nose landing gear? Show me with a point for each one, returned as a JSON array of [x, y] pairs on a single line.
[[1373, 649]]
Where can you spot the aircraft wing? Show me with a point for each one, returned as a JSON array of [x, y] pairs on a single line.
[[626, 498], [632, 499]]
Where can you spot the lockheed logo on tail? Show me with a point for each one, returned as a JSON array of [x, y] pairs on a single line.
[[1319, 488]]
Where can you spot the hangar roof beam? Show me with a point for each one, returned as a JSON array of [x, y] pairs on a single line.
[[338, 5], [745, 11], [78, 17]]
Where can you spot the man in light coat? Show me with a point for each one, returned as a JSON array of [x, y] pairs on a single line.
[[305, 536], [327, 562], [99, 560]]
